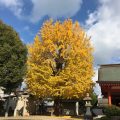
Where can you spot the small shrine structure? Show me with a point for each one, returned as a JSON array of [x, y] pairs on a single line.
[[109, 81]]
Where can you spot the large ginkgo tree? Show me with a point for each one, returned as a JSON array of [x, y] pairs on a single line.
[[60, 61]]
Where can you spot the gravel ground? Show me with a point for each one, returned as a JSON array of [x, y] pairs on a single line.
[[39, 118]]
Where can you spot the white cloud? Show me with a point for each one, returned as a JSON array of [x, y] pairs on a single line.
[[95, 78], [54, 8], [13, 5], [104, 29], [92, 19]]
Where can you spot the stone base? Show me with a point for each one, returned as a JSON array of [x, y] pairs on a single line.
[[88, 117]]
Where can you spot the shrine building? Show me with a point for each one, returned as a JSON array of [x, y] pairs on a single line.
[[109, 81]]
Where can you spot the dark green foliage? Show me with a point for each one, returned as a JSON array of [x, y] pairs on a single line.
[[13, 56], [112, 111], [94, 99]]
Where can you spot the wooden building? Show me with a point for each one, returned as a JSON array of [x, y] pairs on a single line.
[[109, 81]]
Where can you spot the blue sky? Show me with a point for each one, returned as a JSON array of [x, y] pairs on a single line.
[[99, 18], [27, 23]]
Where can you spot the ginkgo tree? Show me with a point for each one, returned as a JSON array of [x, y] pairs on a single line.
[[60, 61]]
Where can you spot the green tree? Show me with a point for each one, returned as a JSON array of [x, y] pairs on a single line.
[[13, 56]]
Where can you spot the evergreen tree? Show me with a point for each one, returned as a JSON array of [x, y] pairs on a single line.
[[13, 56]]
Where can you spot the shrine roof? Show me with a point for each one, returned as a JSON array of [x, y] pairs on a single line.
[[109, 73]]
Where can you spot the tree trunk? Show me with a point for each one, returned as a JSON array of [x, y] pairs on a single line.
[[7, 106], [57, 107]]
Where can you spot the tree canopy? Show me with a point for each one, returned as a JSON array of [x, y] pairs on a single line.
[[60, 61], [13, 56]]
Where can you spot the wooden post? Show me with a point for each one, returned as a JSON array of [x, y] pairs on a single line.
[[77, 108], [109, 98]]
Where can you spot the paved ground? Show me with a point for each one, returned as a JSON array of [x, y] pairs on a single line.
[[40, 118]]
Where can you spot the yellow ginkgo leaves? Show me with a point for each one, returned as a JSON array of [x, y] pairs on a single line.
[[60, 61]]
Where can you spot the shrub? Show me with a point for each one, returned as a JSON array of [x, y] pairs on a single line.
[[112, 111]]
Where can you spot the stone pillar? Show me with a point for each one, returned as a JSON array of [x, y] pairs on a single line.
[[77, 108], [16, 108], [25, 111]]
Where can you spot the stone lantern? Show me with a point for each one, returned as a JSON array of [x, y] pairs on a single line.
[[88, 114]]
